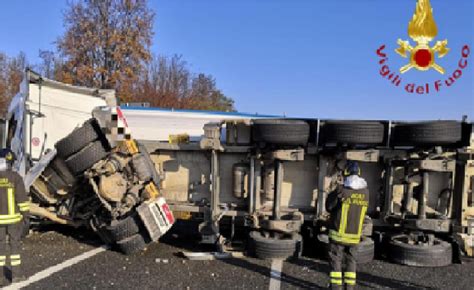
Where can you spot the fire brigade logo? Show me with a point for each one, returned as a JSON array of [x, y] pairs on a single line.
[[422, 55], [422, 29]]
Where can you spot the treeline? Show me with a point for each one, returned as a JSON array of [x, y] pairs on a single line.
[[11, 74], [106, 44]]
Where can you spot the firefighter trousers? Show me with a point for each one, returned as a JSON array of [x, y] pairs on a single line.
[[10, 248], [338, 256]]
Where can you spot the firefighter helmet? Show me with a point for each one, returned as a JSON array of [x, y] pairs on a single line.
[[352, 168], [8, 155]]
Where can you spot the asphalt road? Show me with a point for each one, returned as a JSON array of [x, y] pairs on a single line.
[[161, 266]]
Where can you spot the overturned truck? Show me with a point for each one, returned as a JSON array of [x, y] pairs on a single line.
[[81, 165], [262, 179]]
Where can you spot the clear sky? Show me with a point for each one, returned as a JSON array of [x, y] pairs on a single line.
[[300, 58]]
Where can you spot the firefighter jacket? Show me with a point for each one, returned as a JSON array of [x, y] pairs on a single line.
[[13, 198], [347, 208]]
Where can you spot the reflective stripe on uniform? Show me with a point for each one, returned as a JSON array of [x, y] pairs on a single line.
[[15, 259], [343, 224], [24, 206], [11, 201], [335, 274], [2, 263], [8, 220], [350, 281], [344, 238], [350, 275], [2, 260], [361, 222], [336, 281]]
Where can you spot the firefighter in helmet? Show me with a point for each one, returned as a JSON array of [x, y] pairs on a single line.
[[347, 206], [13, 206]]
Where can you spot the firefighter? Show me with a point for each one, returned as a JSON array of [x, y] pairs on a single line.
[[347, 206], [13, 206]]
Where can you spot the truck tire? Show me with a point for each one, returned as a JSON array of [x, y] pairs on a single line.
[[364, 251], [53, 180], [151, 164], [78, 139], [281, 132], [427, 133], [437, 255], [84, 159], [132, 244], [120, 230], [273, 247], [60, 167], [352, 132]]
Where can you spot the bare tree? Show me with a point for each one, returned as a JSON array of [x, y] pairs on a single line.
[[168, 83]]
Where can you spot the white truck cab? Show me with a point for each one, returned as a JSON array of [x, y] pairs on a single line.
[[43, 112]]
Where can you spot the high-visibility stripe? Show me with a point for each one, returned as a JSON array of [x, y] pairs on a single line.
[[11, 221], [16, 263], [343, 223], [24, 208], [344, 238], [2, 263], [350, 282], [3, 258], [7, 216], [336, 281], [335, 274], [11, 201], [361, 221], [15, 257], [350, 275]]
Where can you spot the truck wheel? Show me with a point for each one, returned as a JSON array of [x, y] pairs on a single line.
[[60, 167], [151, 164], [279, 247], [78, 139], [402, 250], [53, 180], [364, 251], [85, 158], [120, 230], [281, 132], [427, 133], [132, 244], [352, 132]]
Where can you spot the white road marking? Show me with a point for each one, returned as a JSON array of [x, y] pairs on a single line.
[[53, 269], [275, 274]]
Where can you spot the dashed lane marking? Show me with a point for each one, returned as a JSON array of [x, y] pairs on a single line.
[[54, 269], [275, 274]]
